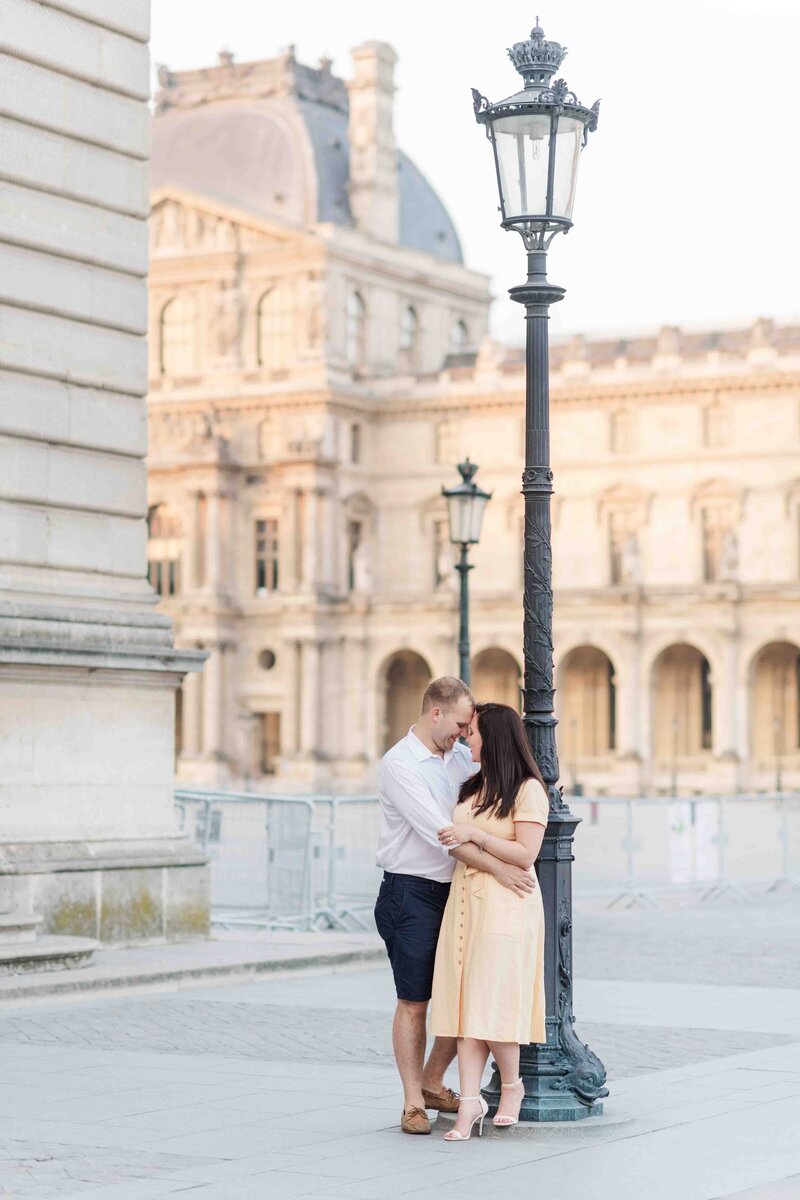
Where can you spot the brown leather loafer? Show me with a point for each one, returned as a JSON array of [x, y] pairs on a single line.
[[415, 1120], [446, 1100]]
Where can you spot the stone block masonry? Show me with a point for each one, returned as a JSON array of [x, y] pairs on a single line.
[[88, 667]]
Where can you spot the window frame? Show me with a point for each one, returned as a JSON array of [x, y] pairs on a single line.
[[266, 555]]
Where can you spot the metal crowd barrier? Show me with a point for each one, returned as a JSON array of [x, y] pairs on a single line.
[[285, 862], [675, 842], [308, 862]]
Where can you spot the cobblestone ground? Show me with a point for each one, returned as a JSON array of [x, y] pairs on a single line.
[[73, 1123], [752, 944], [271, 1033], [43, 1169]]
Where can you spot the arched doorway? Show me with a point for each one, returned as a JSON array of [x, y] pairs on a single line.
[[587, 705], [775, 712], [405, 677], [682, 707], [496, 677]]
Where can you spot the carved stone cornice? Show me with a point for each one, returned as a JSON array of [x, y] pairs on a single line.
[[279, 77], [696, 390]]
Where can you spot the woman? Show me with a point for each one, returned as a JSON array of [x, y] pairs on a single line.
[[488, 984]]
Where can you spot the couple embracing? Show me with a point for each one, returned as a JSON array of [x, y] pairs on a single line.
[[459, 907]]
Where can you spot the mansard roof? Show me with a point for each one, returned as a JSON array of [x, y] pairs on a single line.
[[272, 137]]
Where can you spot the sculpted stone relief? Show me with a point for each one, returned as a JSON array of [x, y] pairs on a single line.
[[196, 432], [174, 226], [228, 319]]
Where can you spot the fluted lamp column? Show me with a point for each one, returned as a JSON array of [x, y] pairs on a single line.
[[537, 136]]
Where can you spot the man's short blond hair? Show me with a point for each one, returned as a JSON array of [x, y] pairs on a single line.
[[444, 693]]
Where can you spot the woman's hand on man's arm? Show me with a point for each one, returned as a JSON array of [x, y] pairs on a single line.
[[518, 881]]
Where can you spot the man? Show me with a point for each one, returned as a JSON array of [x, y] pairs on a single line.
[[418, 784]]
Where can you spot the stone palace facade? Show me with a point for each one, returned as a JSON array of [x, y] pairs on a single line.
[[319, 362]]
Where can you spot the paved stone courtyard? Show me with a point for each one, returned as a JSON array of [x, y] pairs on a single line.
[[285, 1087], [275, 1033]]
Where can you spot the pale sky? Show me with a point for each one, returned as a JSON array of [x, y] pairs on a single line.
[[687, 206]]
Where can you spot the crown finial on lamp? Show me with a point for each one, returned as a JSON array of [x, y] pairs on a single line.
[[536, 59]]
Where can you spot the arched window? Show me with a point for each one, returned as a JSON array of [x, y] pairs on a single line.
[[274, 329], [459, 337], [587, 715], [177, 337], [682, 704], [405, 677], [774, 703], [356, 331], [496, 677], [409, 336], [164, 549]]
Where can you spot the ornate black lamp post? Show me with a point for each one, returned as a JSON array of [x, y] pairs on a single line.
[[465, 507], [537, 136]]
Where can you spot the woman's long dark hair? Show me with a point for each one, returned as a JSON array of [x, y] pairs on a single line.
[[506, 761]]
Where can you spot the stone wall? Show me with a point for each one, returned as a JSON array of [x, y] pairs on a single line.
[[88, 668]]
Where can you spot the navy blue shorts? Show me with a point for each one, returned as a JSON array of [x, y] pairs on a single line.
[[408, 914]]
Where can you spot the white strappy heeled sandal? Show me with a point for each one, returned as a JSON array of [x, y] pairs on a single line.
[[504, 1122], [453, 1135]]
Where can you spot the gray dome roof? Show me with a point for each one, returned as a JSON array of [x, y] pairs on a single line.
[[250, 153]]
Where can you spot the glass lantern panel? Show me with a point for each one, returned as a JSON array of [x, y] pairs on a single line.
[[476, 517], [459, 517], [568, 148], [522, 144]]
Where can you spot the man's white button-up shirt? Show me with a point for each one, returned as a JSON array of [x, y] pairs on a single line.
[[418, 791]]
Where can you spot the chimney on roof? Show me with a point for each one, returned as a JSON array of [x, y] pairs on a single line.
[[374, 188]]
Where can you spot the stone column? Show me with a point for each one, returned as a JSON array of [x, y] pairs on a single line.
[[291, 674], [214, 547], [725, 700], [310, 539], [630, 739], [288, 545], [375, 709], [191, 716], [354, 720], [728, 692], [189, 563], [743, 728], [347, 681], [299, 540], [310, 697], [327, 558], [213, 683]]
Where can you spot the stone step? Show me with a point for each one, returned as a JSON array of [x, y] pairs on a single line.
[[46, 954], [18, 927]]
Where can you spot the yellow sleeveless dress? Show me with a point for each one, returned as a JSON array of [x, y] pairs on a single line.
[[488, 980]]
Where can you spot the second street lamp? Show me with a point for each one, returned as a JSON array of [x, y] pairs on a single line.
[[465, 507], [537, 136]]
